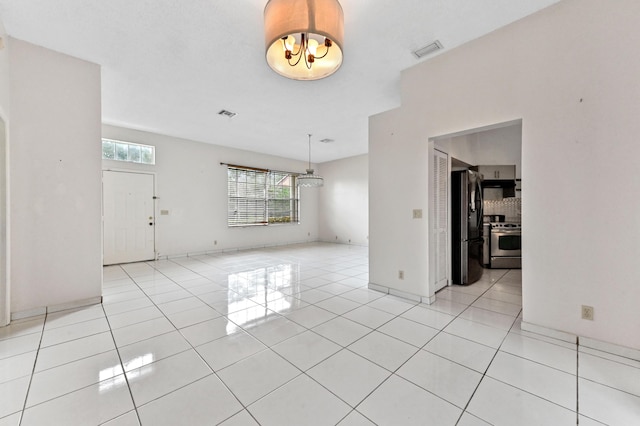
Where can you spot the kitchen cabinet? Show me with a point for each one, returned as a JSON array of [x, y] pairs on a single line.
[[497, 172]]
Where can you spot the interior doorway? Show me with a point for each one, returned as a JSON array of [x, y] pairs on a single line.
[[128, 212], [498, 144]]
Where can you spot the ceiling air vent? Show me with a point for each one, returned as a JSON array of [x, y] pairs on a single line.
[[327, 140], [227, 113], [428, 49]]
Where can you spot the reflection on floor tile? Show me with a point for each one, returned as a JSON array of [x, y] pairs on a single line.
[[291, 335]]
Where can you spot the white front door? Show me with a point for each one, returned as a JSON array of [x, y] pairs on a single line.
[[128, 217], [441, 215]]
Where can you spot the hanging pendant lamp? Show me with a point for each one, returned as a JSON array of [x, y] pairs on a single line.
[[309, 179], [303, 38]]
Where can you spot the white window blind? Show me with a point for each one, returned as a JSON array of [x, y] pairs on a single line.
[[261, 197]]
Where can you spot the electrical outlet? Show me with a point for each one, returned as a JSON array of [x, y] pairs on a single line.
[[401, 275], [587, 312]]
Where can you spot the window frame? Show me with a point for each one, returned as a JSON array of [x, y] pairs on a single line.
[[140, 147], [252, 197]]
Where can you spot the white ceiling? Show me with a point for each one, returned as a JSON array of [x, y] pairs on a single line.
[[169, 66]]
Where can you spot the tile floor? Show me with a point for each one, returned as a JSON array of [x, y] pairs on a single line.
[[292, 336]]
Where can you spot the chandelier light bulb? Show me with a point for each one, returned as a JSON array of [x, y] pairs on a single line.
[[290, 43], [312, 46]]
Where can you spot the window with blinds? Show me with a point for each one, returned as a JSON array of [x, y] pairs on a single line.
[[261, 197]]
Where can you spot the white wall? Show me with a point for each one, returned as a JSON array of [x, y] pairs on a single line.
[[192, 185], [344, 201], [570, 73], [4, 194], [398, 181], [54, 178]]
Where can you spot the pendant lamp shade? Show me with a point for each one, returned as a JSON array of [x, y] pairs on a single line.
[[303, 38]]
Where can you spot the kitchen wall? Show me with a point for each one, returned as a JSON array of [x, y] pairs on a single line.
[[499, 146], [192, 185], [344, 201], [495, 146], [570, 73], [54, 174]]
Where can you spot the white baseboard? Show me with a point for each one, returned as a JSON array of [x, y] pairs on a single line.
[[409, 296], [583, 341], [549, 332], [379, 288], [28, 313], [55, 308], [611, 348], [236, 249]]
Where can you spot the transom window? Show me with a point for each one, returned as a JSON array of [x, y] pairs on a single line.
[[261, 197], [127, 151]]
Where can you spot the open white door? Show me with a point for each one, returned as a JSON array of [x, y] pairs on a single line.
[[440, 218], [128, 217]]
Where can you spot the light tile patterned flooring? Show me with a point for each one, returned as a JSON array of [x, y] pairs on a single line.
[[292, 336]]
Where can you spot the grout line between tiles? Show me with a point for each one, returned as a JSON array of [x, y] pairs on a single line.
[[133, 401], [244, 407], [200, 273], [33, 369], [577, 380]]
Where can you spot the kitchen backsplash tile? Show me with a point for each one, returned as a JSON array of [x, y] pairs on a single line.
[[511, 208]]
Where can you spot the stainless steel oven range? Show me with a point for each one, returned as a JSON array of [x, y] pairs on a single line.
[[506, 245]]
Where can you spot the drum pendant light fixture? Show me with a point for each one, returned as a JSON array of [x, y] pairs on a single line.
[[303, 38], [309, 179]]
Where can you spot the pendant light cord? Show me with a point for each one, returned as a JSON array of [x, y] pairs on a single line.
[[309, 150]]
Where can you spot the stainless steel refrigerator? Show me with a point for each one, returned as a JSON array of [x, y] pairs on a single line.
[[466, 226]]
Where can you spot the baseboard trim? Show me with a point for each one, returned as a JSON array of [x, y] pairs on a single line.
[[55, 308], [237, 249], [549, 332], [611, 348], [402, 294], [582, 341]]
